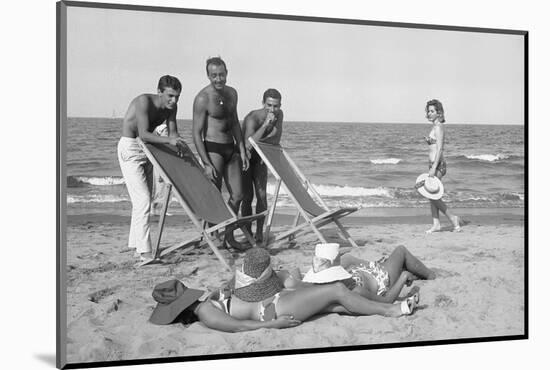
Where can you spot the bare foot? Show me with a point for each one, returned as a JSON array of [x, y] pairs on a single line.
[[456, 224], [433, 229], [415, 293], [408, 305], [146, 256]]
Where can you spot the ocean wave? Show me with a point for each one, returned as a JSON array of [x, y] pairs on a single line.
[[107, 198], [77, 181], [94, 198], [386, 161], [340, 191], [488, 157]]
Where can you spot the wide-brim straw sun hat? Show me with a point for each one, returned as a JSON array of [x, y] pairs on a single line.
[[256, 280], [325, 266], [429, 187], [172, 297]]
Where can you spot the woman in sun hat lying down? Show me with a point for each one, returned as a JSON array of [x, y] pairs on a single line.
[[380, 281], [259, 300]]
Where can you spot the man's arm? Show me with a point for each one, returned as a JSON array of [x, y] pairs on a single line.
[[172, 124], [199, 124], [236, 130], [143, 125], [274, 136], [251, 123], [249, 126]]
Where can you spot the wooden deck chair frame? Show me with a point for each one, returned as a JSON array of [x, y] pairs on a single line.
[[310, 223], [204, 234]]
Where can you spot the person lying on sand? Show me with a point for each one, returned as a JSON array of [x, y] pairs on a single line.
[[380, 281], [259, 300]]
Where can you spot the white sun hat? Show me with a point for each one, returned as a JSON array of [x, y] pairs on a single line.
[[429, 186], [325, 266]]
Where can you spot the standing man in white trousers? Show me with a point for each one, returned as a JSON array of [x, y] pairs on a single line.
[[145, 113]]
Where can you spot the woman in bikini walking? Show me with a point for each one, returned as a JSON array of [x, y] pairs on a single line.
[[437, 163]]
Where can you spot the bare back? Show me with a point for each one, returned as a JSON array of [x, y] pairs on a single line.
[[143, 103]]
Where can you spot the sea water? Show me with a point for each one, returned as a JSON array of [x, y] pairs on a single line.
[[364, 165]]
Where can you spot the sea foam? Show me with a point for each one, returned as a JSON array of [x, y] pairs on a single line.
[[386, 161], [94, 198], [96, 181], [340, 191], [488, 157]]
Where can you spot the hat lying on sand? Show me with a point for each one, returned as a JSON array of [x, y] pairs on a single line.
[[429, 186], [326, 265], [173, 297], [256, 280]]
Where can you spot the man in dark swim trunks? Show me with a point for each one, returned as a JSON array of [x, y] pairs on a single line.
[[264, 125], [218, 137]]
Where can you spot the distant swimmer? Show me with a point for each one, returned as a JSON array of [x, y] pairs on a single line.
[[217, 136], [145, 113], [263, 125]]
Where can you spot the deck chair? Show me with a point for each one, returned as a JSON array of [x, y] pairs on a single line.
[[198, 196], [315, 213]]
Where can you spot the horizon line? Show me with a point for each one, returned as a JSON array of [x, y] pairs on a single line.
[[343, 122]]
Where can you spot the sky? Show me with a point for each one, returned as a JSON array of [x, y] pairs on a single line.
[[324, 71]]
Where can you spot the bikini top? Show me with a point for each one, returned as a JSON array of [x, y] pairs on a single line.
[[431, 140], [223, 304], [221, 298]]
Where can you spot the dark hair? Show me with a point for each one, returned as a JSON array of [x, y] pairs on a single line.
[[271, 93], [169, 81], [187, 316], [438, 108], [217, 61]]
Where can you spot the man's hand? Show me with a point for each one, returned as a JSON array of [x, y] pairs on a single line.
[[179, 143], [248, 148], [210, 172], [244, 158], [432, 171], [270, 119]]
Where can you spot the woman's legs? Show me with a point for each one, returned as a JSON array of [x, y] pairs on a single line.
[[306, 302], [445, 210], [401, 259], [436, 225]]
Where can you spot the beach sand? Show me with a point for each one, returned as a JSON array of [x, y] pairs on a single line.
[[478, 292]]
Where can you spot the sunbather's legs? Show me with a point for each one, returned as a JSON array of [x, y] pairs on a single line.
[[308, 301], [138, 176], [401, 259]]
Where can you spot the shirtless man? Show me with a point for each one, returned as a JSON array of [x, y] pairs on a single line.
[[264, 125], [218, 137], [145, 113]]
